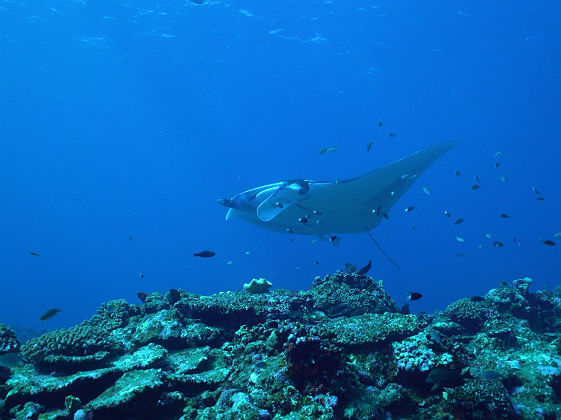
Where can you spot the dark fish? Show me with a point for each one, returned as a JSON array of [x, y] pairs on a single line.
[[380, 124], [303, 219], [365, 269], [497, 165], [414, 296], [142, 296], [443, 377], [475, 186], [477, 298], [327, 149], [391, 134], [476, 178], [405, 309], [536, 191], [130, 237], [457, 173], [34, 254], [317, 262], [504, 215], [498, 244], [369, 146], [540, 198], [410, 208], [49, 314], [548, 242], [141, 275], [433, 334], [460, 220], [205, 254], [350, 268], [447, 213], [173, 296], [334, 239]]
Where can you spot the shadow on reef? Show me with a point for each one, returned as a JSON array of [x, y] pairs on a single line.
[[338, 350]]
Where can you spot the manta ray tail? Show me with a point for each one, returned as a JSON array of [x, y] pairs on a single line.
[[381, 250]]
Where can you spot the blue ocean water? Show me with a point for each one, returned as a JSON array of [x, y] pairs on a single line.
[[129, 119]]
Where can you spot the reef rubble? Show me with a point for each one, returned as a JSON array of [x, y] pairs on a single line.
[[340, 350]]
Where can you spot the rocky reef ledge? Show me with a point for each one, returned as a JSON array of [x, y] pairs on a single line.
[[341, 349]]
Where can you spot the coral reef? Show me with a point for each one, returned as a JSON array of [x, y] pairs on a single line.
[[338, 350]]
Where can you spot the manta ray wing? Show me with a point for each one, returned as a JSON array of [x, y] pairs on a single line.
[[352, 206]]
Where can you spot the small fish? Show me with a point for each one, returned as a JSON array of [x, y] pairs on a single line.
[[247, 252], [476, 178], [460, 239], [414, 296], [173, 296], [327, 150], [303, 219], [34, 254], [316, 263], [459, 221], [391, 134], [497, 164], [503, 178], [426, 190], [316, 212], [488, 235], [447, 213], [350, 268], [380, 123], [557, 235], [413, 227], [497, 154], [335, 240], [130, 237], [475, 187], [365, 269], [504, 215], [536, 190], [408, 209], [142, 296], [204, 254], [141, 275], [540, 198], [548, 242], [405, 309], [498, 244], [49, 314], [457, 173], [369, 145]]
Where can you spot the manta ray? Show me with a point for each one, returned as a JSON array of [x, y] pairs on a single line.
[[325, 209]]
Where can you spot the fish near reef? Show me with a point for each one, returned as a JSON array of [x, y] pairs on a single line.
[[414, 296], [205, 254], [173, 296], [365, 269], [142, 296], [49, 313]]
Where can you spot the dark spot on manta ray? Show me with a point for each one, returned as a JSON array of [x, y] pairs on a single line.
[[303, 219], [205, 254]]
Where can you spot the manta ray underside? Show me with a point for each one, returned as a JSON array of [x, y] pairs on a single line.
[[321, 208]]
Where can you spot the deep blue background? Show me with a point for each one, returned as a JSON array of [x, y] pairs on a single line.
[[121, 119]]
